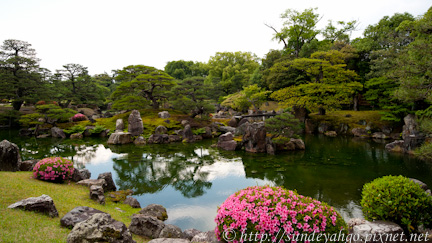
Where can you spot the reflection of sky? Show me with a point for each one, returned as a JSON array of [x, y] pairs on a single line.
[[100, 156]]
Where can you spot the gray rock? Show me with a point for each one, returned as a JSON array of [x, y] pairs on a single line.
[[147, 226], [161, 130], [298, 143], [169, 240], [109, 185], [359, 132], [330, 133], [170, 231], [380, 135], [80, 174], [158, 139], [135, 122], [254, 139], [208, 133], [97, 194], [225, 129], [233, 122], [184, 122], [164, 114], [226, 142], [120, 138], [104, 133], [188, 134], [174, 138], [88, 131], [190, 233], [100, 227], [209, 237], [420, 183], [140, 141], [76, 136], [370, 230], [395, 146], [77, 215], [9, 156], [43, 204], [324, 127], [27, 165], [241, 128], [91, 182], [132, 202], [119, 125], [155, 210], [57, 132]]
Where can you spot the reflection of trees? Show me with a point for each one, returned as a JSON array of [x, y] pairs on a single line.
[[333, 170], [149, 169]]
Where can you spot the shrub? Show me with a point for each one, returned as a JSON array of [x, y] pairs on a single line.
[[78, 117], [55, 169], [75, 129], [97, 129], [264, 211], [41, 102], [399, 200]]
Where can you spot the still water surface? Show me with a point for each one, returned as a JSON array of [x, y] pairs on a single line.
[[192, 180]]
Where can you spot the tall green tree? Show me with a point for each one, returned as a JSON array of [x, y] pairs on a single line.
[[298, 29], [251, 95], [186, 69], [327, 83], [230, 71], [141, 86], [20, 78], [191, 98]]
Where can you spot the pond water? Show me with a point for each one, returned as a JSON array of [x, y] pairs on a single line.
[[192, 180]]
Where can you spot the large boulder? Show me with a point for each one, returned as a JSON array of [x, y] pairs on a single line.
[[155, 210], [360, 132], [135, 122], [119, 125], [43, 204], [161, 130], [100, 227], [226, 142], [241, 128], [77, 215], [225, 129], [254, 139], [190, 233], [209, 237], [411, 135], [109, 185], [232, 122], [158, 139], [80, 174], [188, 135], [164, 114], [57, 132], [140, 141], [147, 226], [170, 231], [395, 146], [9, 156], [120, 138], [91, 182], [76, 136], [27, 165]]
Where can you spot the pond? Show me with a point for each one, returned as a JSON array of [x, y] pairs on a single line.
[[192, 180]]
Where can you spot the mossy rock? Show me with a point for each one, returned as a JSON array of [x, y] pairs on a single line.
[[119, 196]]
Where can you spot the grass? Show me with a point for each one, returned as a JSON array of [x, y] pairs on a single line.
[[340, 116], [24, 226]]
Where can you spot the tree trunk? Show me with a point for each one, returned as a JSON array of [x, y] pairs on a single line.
[[356, 103], [17, 105], [321, 111]]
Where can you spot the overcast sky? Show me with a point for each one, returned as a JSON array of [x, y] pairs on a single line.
[[105, 34]]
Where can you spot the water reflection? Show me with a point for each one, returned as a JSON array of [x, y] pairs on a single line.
[[191, 180]]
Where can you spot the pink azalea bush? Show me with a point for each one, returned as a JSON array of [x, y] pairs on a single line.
[[276, 213], [55, 169], [78, 117]]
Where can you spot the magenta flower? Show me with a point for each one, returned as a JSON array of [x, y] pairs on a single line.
[[53, 169]]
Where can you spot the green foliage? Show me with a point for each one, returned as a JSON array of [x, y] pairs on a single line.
[[397, 199], [199, 131], [141, 86], [283, 125], [251, 95], [186, 69], [47, 113], [230, 71], [9, 117], [424, 151], [75, 129], [97, 129]]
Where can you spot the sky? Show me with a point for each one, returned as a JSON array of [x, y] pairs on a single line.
[[104, 35]]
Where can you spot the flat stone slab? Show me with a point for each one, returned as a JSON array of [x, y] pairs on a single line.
[[43, 204], [92, 182]]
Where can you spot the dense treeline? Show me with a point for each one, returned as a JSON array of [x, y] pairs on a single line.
[[389, 68]]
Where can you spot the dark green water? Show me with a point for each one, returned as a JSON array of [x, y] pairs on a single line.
[[191, 180]]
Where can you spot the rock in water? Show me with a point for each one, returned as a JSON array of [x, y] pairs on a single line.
[[100, 227], [120, 138], [147, 226], [155, 210], [226, 142], [9, 156], [43, 204], [135, 126]]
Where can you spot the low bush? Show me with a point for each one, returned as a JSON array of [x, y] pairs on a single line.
[[399, 200], [55, 169], [75, 129], [78, 117], [265, 211]]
